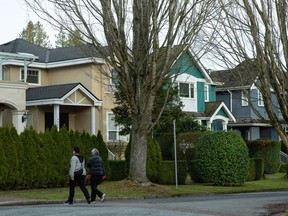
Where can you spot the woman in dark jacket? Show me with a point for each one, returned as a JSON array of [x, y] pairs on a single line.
[[96, 169]]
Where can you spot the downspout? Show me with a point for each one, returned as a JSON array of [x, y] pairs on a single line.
[[231, 108], [26, 66]]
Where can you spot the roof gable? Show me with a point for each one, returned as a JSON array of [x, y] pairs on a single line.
[[69, 94], [187, 63]]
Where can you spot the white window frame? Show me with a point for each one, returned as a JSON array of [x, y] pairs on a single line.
[[190, 86], [244, 98], [110, 129], [29, 70], [260, 99], [206, 92]]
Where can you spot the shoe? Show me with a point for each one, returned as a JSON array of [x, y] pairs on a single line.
[[102, 197], [68, 203], [89, 201], [93, 202]]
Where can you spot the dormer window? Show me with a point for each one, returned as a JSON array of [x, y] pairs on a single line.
[[186, 90], [32, 76]]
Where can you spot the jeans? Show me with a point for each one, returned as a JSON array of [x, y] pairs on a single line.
[[94, 182], [81, 182]]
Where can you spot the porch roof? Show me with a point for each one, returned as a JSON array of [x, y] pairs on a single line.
[[57, 94]]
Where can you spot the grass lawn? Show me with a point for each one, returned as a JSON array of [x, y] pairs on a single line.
[[128, 189]]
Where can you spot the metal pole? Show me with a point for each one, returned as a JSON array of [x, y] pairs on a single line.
[[175, 153]]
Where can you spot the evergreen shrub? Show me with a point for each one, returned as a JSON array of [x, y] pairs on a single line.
[[268, 150], [221, 158], [167, 172], [119, 170]]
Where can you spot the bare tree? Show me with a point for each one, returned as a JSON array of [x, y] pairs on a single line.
[[140, 36], [255, 31]]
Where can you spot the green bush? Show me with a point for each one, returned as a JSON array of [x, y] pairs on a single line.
[[119, 170], [167, 172], [187, 142], [32, 160], [221, 158], [269, 150], [256, 169]]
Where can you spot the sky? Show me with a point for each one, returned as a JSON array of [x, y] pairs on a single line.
[[14, 16]]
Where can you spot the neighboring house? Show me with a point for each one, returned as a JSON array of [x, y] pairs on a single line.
[[235, 87], [62, 85], [42, 87], [198, 93]]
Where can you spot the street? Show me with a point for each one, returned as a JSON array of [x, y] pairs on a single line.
[[204, 205]]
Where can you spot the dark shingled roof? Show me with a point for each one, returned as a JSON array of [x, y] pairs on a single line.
[[243, 74], [50, 55], [211, 107], [49, 92]]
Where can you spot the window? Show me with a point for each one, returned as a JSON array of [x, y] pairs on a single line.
[[186, 90], [206, 92], [244, 97], [113, 81], [260, 99], [112, 128], [32, 76]]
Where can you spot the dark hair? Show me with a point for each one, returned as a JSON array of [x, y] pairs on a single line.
[[77, 150]]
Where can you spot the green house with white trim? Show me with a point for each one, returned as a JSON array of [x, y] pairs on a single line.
[[197, 91]]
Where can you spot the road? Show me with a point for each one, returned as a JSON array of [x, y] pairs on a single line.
[[204, 205]]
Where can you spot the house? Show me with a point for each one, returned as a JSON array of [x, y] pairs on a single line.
[[235, 87], [42, 87], [197, 91]]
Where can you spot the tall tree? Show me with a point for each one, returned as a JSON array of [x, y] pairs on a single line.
[[34, 33], [136, 32], [256, 32], [64, 39], [61, 38]]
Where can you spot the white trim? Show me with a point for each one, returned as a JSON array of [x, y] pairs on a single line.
[[222, 105], [61, 100], [56, 64]]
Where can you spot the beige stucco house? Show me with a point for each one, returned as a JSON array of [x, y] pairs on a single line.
[[41, 87]]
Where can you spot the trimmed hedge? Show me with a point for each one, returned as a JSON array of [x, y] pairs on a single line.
[[119, 170], [41, 160], [167, 172], [256, 169], [221, 158], [269, 151]]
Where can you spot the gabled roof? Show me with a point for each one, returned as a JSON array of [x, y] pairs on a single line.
[[50, 55], [56, 94], [242, 76], [212, 109]]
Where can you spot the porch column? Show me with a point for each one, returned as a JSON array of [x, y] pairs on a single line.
[[209, 124], [93, 120], [18, 121], [57, 116], [224, 125]]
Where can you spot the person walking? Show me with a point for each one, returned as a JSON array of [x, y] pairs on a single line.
[[96, 169], [77, 175]]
